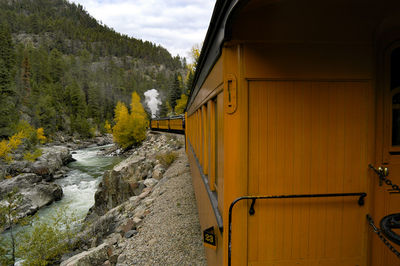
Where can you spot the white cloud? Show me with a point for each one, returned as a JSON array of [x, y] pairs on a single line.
[[175, 24]]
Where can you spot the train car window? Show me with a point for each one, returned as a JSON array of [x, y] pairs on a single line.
[[396, 119], [205, 139], [395, 69], [216, 144], [395, 95], [212, 137]]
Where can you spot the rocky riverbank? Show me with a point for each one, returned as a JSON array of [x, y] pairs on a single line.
[[144, 212], [34, 180]]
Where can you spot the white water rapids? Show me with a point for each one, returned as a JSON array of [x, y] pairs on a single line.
[[80, 184]]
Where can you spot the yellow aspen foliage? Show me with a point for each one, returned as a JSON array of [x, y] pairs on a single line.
[[107, 127], [130, 128], [16, 140], [139, 119], [32, 156], [40, 135], [5, 151], [7, 147], [122, 129], [181, 104]]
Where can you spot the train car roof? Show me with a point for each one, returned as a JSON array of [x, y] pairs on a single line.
[[217, 34]]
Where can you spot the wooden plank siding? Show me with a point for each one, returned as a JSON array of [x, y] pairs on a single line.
[[308, 137]]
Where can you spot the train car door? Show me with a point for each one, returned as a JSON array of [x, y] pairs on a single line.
[[309, 137], [386, 200]]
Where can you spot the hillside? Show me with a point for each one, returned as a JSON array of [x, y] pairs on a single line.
[[64, 71]]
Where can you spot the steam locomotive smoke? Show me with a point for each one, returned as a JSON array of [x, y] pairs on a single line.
[[152, 101]]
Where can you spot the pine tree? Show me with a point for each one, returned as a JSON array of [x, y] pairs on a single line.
[[8, 113], [75, 98], [163, 111], [181, 104], [26, 78], [175, 91], [94, 109], [56, 65]]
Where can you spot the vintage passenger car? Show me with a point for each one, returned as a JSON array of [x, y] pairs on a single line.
[[174, 124], [293, 132]]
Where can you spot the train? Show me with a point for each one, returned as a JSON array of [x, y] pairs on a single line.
[[173, 124], [293, 133]]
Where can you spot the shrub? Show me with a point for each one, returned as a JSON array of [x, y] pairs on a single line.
[[167, 158], [7, 147], [32, 156], [107, 127], [40, 135], [27, 135], [48, 240], [5, 151]]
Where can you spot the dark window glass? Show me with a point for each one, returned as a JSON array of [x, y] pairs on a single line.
[[396, 120], [395, 69]]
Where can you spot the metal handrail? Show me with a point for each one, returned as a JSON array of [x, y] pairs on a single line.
[[361, 196]]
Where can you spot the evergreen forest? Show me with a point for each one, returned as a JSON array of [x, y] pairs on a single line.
[[64, 71]]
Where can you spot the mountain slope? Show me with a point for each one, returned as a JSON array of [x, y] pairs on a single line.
[[70, 70]]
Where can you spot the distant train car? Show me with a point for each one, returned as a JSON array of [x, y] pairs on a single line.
[[174, 124], [293, 133]]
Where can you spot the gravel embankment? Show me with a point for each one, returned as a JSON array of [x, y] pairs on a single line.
[[170, 233]]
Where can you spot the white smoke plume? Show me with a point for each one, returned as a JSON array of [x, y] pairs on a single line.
[[152, 101]]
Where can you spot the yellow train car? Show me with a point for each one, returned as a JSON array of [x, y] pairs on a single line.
[[174, 124], [177, 123], [163, 123], [153, 124], [293, 133]]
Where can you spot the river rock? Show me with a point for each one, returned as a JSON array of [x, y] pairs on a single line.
[[118, 185], [35, 192], [130, 233], [94, 256], [52, 159], [151, 182]]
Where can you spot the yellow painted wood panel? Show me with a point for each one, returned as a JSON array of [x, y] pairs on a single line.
[[308, 137]]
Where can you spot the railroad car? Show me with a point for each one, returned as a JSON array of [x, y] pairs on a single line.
[[175, 124], [293, 133]]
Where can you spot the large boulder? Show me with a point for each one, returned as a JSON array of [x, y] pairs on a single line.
[[94, 256], [36, 193], [51, 160], [119, 184]]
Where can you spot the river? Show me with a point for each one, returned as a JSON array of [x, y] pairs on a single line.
[[80, 184]]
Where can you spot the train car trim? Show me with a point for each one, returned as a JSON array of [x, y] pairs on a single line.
[[211, 194], [217, 34]]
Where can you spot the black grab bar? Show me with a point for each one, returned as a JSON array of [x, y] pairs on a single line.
[[360, 202]]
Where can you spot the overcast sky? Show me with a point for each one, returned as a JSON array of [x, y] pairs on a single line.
[[174, 24]]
